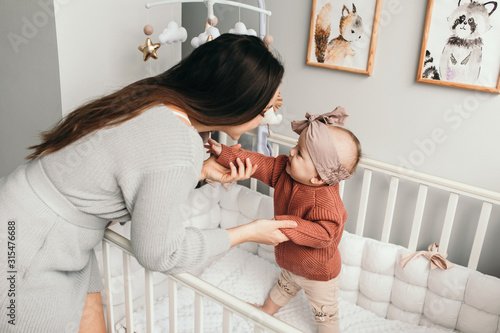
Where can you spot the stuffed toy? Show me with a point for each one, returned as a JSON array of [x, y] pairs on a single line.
[[263, 131]]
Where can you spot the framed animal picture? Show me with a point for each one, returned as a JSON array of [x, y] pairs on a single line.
[[460, 46], [343, 34]]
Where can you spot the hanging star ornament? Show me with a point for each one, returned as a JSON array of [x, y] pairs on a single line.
[[149, 49]]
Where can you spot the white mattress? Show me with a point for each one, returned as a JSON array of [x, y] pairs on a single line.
[[250, 278]]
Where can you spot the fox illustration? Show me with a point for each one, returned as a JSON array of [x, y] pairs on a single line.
[[338, 49]]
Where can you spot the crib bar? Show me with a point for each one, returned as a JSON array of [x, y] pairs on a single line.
[[198, 313], [484, 218], [196, 284], [253, 184], [341, 189], [276, 152], [432, 181], [128, 292], [172, 305], [227, 321], [150, 314], [389, 211], [417, 218], [234, 304], [223, 138], [363, 202], [448, 223], [109, 296]]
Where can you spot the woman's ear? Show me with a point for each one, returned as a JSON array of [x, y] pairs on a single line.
[[317, 181]]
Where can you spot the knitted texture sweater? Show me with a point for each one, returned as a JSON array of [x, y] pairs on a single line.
[[141, 171], [312, 251]]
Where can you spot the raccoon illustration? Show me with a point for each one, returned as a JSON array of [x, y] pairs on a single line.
[[338, 49], [462, 54], [430, 71]]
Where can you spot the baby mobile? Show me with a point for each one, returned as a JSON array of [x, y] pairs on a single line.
[[175, 34]]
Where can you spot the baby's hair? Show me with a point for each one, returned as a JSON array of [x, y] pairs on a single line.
[[347, 134]]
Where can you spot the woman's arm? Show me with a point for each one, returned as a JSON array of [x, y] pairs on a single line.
[[261, 231], [158, 236]]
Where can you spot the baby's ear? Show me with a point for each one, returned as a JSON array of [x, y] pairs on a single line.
[[317, 181]]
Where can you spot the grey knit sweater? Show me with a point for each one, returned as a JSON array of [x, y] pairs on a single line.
[[141, 171]]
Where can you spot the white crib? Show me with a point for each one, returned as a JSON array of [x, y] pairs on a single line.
[[377, 295]]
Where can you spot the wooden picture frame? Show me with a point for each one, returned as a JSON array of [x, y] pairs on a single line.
[[353, 48], [459, 54]]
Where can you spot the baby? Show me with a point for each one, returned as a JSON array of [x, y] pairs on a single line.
[[307, 191]]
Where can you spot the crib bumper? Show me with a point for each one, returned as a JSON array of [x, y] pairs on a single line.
[[372, 277]]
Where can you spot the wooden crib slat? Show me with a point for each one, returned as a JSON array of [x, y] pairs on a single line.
[[363, 202], [276, 152], [482, 225], [150, 314], [253, 184], [417, 218], [258, 329], [448, 223], [109, 296], [128, 292], [276, 149], [198, 313], [227, 321], [223, 138], [341, 189], [172, 305], [389, 211]]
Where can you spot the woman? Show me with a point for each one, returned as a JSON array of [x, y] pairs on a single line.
[[133, 156]]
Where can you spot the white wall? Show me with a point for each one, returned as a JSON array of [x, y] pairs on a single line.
[[393, 116], [29, 78], [98, 46]]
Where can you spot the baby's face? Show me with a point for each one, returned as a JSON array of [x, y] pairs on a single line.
[[300, 166]]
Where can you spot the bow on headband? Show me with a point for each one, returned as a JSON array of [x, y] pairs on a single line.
[[320, 144], [335, 117], [437, 259]]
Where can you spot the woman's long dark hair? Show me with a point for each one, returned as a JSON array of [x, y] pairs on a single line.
[[228, 81]]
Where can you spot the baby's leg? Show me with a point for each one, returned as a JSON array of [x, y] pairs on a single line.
[[284, 290], [269, 306], [323, 296]]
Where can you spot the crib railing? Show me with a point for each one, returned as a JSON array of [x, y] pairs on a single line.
[[203, 290], [424, 181]]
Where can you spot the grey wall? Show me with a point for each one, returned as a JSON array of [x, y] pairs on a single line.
[[393, 116], [30, 99]]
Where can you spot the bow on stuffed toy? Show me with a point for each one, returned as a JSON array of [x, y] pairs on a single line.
[[437, 259]]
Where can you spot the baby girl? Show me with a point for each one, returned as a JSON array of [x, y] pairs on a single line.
[[307, 191]]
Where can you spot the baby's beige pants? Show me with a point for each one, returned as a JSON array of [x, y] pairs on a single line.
[[323, 296]]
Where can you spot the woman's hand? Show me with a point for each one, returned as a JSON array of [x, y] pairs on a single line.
[[212, 170], [261, 231]]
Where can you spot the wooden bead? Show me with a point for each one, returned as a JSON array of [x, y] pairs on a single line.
[[213, 22], [148, 30], [268, 40]]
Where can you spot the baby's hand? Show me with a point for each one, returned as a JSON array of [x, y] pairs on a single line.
[[213, 147], [216, 148]]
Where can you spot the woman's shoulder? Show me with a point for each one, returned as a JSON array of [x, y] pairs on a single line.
[[157, 137]]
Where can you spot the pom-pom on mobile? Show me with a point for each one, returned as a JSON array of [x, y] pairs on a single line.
[[211, 32]]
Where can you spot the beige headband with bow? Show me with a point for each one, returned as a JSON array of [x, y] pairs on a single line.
[[320, 144]]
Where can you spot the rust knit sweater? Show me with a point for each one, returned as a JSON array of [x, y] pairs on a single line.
[[312, 251]]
